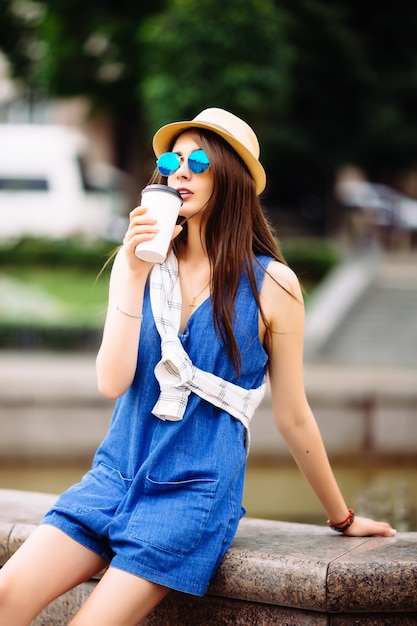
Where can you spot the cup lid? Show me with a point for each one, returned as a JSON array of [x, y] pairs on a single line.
[[165, 188]]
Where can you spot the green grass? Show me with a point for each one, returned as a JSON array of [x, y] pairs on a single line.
[[82, 294], [57, 285]]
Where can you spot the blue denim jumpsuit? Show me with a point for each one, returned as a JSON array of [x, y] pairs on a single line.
[[163, 499]]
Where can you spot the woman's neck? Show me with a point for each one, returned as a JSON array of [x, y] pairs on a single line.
[[195, 277], [194, 250]]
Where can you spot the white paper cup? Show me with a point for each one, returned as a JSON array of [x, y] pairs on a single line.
[[163, 204]]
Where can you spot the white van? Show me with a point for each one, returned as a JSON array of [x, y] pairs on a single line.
[[47, 191]]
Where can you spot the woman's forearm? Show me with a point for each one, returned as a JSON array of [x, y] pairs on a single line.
[[118, 353], [306, 445]]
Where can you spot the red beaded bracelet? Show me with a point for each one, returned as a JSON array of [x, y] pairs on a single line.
[[342, 526]]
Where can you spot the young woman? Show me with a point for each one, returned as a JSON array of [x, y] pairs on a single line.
[[185, 350]]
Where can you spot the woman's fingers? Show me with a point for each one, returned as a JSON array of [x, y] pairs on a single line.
[[142, 227], [364, 527]]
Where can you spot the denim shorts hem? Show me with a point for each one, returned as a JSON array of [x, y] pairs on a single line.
[[75, 533], [172, 582]]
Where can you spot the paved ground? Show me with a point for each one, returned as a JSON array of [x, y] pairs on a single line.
[[381, 327]]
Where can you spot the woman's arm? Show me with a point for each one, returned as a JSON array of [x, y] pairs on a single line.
[[292, 413], [117, 356]]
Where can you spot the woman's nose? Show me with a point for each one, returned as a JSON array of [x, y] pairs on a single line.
[[183, 171]]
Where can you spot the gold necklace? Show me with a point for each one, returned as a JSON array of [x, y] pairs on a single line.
[[192, 304]]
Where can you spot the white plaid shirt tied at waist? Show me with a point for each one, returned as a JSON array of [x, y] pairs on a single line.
[[176, 374]]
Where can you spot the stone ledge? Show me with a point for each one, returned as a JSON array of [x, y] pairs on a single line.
[[309, 567], [300, 573]]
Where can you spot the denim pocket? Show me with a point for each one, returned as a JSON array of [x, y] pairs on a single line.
[[173, 514], [101, 489]]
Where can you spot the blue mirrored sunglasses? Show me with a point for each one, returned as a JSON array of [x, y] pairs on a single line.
[[169, 162]]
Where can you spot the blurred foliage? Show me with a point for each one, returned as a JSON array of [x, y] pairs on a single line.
[[74, 47], [69, 273], [74, 296], [309, 258], [235, 55], [57, 294], [353, 95], [323, 83], [72, 339], [70, 253]]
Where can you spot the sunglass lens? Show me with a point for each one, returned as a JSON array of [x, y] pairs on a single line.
[[198, 162], [168, 163]]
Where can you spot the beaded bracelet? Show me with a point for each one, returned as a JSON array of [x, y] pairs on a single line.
[[342, 526], [138, 317]]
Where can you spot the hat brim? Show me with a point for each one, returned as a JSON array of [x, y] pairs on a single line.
[[164, 137]]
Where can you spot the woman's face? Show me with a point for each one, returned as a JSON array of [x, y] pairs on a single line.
[[195, 189]]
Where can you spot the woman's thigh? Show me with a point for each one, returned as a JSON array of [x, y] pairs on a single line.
[[47, 565], [120, 598]]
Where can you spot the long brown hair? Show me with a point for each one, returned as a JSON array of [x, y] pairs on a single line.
[[236, 230]]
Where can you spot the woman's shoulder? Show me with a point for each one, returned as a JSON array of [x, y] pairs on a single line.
[[282, 299], [281, 277]]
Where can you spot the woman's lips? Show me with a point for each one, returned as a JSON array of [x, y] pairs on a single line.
[[185, 193]]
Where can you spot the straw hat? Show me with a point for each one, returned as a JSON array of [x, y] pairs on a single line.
[[233, 130]]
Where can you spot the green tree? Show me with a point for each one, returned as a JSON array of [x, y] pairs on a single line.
[[84, 48], [353, 97], [18, 36], [323, 83], [211, 53]]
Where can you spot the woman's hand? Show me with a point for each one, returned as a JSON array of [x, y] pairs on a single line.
[[142, 227], [365, 527]]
